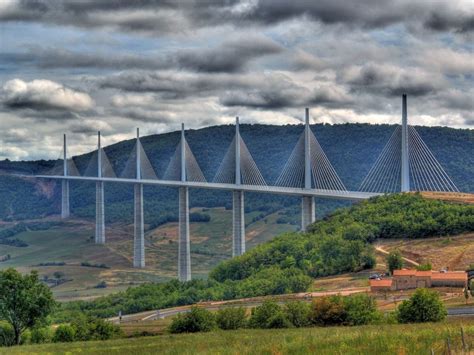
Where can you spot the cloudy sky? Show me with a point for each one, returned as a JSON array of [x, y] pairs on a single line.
[[83, 65]]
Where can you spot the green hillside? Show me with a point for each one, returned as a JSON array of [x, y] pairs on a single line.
[[339, 243], [352, 149]]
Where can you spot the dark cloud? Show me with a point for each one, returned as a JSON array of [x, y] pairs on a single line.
[[392, 81], [167, 16], [228, 57]]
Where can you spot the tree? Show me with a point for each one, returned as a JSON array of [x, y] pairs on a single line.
[[466, 293], [394, 261], [268, 315], [197, 320], [231, 318], [24, 300], [64, 334], [328, 310], [361, 309], [423, 306], [297, 313]]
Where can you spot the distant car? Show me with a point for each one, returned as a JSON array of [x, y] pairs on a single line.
[[374, 277]]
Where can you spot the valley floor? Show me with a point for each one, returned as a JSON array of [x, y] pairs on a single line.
[[377, 339]]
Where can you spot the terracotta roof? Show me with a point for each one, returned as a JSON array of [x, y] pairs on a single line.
[[381, 283], [428, 273], [449, 275], [404, 272]]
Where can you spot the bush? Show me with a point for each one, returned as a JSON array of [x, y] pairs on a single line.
[[425, 267], [423, 306], [231, 318], [361, 309], [298, 313], [101, 329], [197, 320], [328, 310], [64, 333], [268, 315], [7, 334], [41, 335]]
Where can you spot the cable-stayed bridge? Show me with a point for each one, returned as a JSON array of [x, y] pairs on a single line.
[[405, 164]]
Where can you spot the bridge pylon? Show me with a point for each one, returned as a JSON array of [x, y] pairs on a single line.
[[99, 198], [65, 211], [238, 211], [308, 205], [184, 246], [138, 225]]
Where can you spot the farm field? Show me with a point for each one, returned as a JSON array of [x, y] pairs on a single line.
[[71, 242], [376, 339]]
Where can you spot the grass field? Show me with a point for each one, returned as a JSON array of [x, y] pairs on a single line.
[[72, 242], [383, 339]]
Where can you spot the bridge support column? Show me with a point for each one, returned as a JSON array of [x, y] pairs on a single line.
[[238, 223], [99, 213], [139, 233], [405, 174], [184, 250], [308, 211], [65, 213]]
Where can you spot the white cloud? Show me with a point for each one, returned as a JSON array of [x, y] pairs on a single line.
[[44, 95]]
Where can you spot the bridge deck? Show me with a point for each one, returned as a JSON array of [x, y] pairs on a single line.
[[334, 194]]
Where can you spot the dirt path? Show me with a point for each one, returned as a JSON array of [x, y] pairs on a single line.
[[383, 251]]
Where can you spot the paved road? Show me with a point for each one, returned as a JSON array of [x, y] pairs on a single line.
[[461, 311]]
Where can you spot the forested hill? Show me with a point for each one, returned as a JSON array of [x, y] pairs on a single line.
[[352, 149]]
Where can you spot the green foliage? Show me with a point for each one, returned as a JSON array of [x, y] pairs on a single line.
[[197, 320], [40, 335], [298, 313], [7, 334], [423, 306], [339, 243], [268, 315], [328, 310], [361, 309], [64, 333], [394, 261], [425, 266], [24, 300], [231, 318]]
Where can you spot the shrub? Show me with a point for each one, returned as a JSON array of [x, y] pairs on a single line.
[[197, 320], [268, 315], [361, 309], [394, 261], [231, 318], [298, 313], [41, 335], [423, 306], [63, 334], [328, 310], [425, 267], [101, 329], [7, 334]]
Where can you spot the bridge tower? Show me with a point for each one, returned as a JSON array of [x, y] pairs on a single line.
[[99, 198], [238, 212], [65, 212], [308, 206], [405, 173], [184, 247], [139, 230]]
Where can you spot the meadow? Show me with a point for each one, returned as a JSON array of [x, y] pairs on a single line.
[[375, 339]]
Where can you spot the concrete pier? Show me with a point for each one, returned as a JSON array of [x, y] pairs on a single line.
[[99, 199], [139, 229], [99, 213], [308, 215], [238, 223], [65, 213], [139, 233], [184, 252], [308, 211]]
